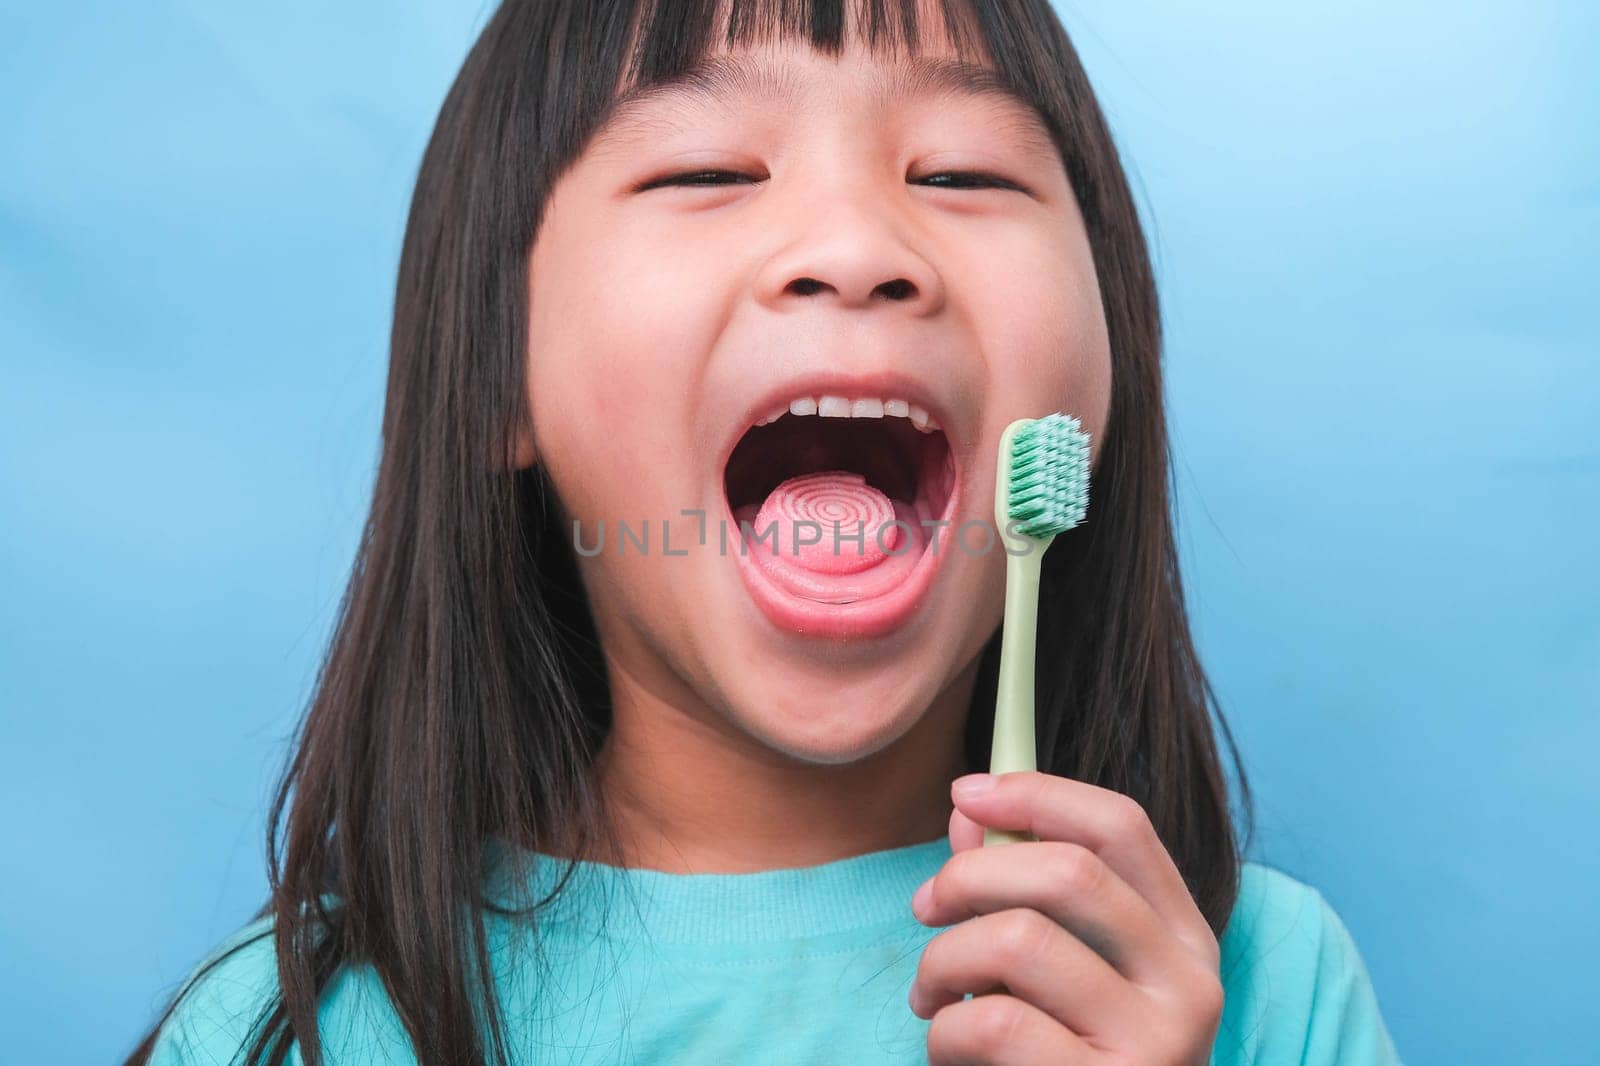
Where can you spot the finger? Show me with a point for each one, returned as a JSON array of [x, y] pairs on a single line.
[[1038, 962], [1071, 886], [1002, 1031], [1113, 825], [964, 832]]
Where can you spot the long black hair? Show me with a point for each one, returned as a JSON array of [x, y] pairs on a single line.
[[462, 696]]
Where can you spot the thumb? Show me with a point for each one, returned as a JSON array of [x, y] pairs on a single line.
[[964, 832]]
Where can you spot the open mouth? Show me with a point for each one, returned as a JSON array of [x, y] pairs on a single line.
[[873, 491], [910, 466]]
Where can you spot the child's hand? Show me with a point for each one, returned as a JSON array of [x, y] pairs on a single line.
[[1103, 954]]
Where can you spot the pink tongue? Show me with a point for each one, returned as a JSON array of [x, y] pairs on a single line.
[[828, 537]]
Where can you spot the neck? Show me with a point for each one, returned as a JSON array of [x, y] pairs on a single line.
[[682, 797]]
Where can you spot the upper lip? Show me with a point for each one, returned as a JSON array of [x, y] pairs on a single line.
[[877, 384]]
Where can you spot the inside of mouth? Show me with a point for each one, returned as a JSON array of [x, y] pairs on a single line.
[[911, 467]]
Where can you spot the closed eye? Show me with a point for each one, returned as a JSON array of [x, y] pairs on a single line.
[[979, 179], [710, 178], [695, 177]]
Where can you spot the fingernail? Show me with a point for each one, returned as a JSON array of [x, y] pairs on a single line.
[[924, 896], [972, 785]]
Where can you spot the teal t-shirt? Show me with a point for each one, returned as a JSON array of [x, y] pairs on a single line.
[[805, 965]]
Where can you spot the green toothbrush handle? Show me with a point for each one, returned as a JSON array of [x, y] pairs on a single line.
[[1014, 747]]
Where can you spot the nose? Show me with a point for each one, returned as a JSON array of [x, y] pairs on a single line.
[[856, 261]]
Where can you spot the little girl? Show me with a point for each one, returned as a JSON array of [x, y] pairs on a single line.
[[584, 777]]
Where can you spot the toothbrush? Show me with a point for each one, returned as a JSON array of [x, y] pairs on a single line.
[[1041, 489]]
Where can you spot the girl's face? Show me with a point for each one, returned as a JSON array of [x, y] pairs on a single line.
[[845, 249]]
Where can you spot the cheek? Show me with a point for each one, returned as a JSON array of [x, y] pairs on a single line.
[[1088, 346], [1089, 377], [1049, 334], [601, 412], [607, 361]]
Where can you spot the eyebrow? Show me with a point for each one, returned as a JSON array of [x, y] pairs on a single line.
[[721, 78]]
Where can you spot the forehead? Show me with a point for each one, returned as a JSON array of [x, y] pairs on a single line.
[[769, 77]]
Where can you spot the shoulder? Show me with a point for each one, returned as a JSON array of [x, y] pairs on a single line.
[[1296, 987], [221, 1000], [226, 999]]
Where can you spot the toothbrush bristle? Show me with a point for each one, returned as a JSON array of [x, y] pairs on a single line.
[[1049, 485]]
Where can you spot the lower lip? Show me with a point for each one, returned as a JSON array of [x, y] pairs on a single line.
[[863, 619]]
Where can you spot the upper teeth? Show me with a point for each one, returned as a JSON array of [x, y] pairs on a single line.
[[844, 407]]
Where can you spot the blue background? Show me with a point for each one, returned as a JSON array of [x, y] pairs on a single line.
[[1374, 225]]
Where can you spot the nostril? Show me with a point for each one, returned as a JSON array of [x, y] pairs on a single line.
[[898, 289]]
